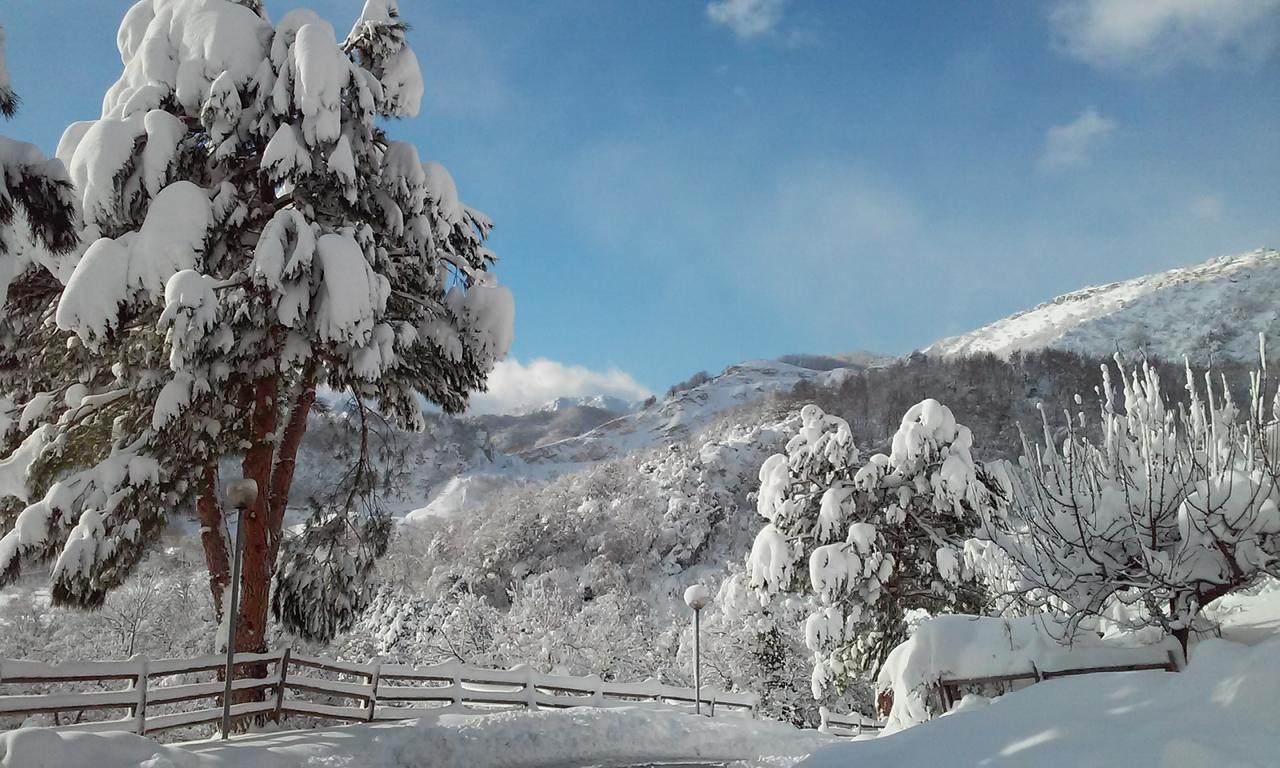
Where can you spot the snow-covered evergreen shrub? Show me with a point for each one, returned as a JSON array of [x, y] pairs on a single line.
[[253, 234], [871, 539], [1155, 511], [755, 647]]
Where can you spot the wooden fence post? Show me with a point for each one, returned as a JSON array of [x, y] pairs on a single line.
[[1035, 671], [457, 687], [140, 708], [531, 688], [373, 694], [284, 672]]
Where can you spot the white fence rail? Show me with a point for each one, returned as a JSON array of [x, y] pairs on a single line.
[[851, 724], [160, 695]]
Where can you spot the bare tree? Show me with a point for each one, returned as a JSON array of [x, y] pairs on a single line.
[[1154, 514]]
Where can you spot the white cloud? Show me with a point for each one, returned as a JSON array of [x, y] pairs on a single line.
[[516, 386], [1071, 144], [747, 19], [1153, 35]]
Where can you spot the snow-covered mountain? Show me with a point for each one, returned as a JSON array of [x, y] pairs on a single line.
[[601, 402], [1212, 310], [544, 444], [681, 413]]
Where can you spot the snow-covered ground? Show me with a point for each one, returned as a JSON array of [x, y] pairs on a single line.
[[508, 740], [1216, 309], [1221, 711]]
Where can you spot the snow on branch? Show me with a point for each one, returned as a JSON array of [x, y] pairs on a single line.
[[1154, 512]]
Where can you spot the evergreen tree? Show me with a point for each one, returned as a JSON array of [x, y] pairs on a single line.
[[881, 538], [254, 234], [39, 213]]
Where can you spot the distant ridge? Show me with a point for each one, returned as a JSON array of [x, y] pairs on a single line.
[[1213, 310]]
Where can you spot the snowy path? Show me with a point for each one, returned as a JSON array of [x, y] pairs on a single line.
[[576, 738], [652, 765]]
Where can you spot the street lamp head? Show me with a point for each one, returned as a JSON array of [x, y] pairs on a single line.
[[242, 493], [697, 597]]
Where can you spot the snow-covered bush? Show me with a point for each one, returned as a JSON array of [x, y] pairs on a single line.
[[253, 234], [871, 539], [1154, 512], [755, 647]]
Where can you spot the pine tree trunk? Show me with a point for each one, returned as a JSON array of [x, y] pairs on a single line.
[[287, 459], [258, 567], [213, 538]]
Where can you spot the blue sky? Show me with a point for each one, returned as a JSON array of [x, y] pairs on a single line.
[[684, 184]]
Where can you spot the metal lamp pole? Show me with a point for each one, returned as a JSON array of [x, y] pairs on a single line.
[[241, 494], [697, 597]]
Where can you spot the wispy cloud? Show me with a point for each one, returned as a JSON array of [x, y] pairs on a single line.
[[1073, 144], [515, 386], [1154, 35], [747, 19]]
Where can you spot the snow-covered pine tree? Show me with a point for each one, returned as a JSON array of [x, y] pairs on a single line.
[[881, 538], [8, 100], [39, 212], [253, 234]]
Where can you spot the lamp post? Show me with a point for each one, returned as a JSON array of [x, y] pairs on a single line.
[[697, 597], [241, 494]]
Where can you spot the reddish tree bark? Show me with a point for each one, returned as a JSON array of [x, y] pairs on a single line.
[[273, 471], [212, 537], [258, 567], [287, 460]]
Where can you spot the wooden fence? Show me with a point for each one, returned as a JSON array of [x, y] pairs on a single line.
[[950, 690], [852, 724], [369, 692]]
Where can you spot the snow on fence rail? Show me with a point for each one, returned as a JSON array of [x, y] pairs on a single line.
[[371, 691], [949, 690], [851, 724]]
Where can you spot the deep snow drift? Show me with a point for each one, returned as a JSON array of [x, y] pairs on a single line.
[[1223, 710]]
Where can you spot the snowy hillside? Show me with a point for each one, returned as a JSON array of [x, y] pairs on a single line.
[[1212, 309], [497, 452], [682, 413]]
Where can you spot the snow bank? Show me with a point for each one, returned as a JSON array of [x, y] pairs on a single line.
[[509, 739], [1222, 711], [961, 647]]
